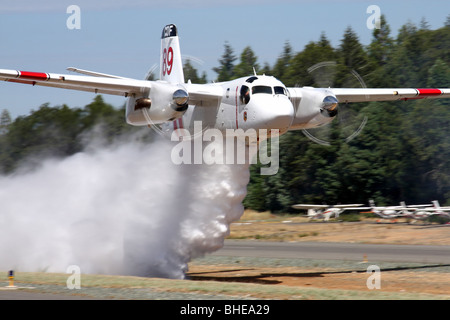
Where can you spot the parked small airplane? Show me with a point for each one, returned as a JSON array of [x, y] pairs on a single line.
[[325, 212], [438, 210], [390, 212], [416, 212]]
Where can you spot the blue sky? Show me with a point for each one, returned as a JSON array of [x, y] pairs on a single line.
[[123, 37]]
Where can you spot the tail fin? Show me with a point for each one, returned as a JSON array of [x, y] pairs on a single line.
[[311, 213], [170, 60], [436, 204]]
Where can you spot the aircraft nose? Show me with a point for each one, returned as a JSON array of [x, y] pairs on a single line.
[[281, 114]]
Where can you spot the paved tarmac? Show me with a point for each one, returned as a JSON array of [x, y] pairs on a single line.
[[427, 254]]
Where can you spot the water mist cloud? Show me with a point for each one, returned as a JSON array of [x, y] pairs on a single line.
[[121, 209]]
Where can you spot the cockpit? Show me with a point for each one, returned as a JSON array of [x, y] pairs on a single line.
[[247, 91]]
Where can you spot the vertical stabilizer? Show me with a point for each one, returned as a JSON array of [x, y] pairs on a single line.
[[436, 204], [170, 59]]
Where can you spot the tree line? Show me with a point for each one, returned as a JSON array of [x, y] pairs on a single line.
[[58, 131], [402, 152]]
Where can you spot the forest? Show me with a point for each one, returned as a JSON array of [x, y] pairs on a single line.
[[401, 151]]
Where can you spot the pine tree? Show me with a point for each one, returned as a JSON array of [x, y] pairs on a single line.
[[439, 75], [352, 58], [283, 63], [248, 63], [190, 73], [5, 121], [225, 70], [379, 52], [299, 73], [351, 51]]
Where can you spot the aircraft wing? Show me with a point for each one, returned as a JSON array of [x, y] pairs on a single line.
[[326, 206], [358, 208], [355, 206], [98, 84], [200, 95], [204, 95], [435, 209], [388, 94], [419, 206], [310, 206], [347, 205], [389, 208]]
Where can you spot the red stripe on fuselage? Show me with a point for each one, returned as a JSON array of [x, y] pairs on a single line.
[[33, 75]]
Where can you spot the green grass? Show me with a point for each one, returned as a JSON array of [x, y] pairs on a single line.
[[233, 290]]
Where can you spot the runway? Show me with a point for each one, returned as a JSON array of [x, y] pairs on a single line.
[[428, 254]]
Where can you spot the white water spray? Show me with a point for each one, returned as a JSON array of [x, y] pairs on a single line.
[[125, 209]]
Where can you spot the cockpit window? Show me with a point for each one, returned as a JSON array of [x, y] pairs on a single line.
[[280, 90], [245, 94], [261, 89]]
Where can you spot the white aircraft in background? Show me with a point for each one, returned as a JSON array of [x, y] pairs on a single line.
[[252, 102], [415, 212], [435, 210], [390, 212], [325, 212], [423, 211], [437, 207]]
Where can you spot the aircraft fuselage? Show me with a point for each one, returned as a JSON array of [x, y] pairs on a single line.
[[254, 102]]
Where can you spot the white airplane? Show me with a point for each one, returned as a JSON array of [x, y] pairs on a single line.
[[416, 212], [390, 212], [255, 101], [424, 211], [438, 210], [325, 212]]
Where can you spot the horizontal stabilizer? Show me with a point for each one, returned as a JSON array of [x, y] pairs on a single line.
[[93, 73]]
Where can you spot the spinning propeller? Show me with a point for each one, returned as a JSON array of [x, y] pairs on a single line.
[[348, 123]]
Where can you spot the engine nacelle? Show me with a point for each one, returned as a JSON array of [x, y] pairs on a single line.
[[313, 107], [165, 102]]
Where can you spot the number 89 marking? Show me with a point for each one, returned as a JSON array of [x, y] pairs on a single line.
[[167, 61]]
